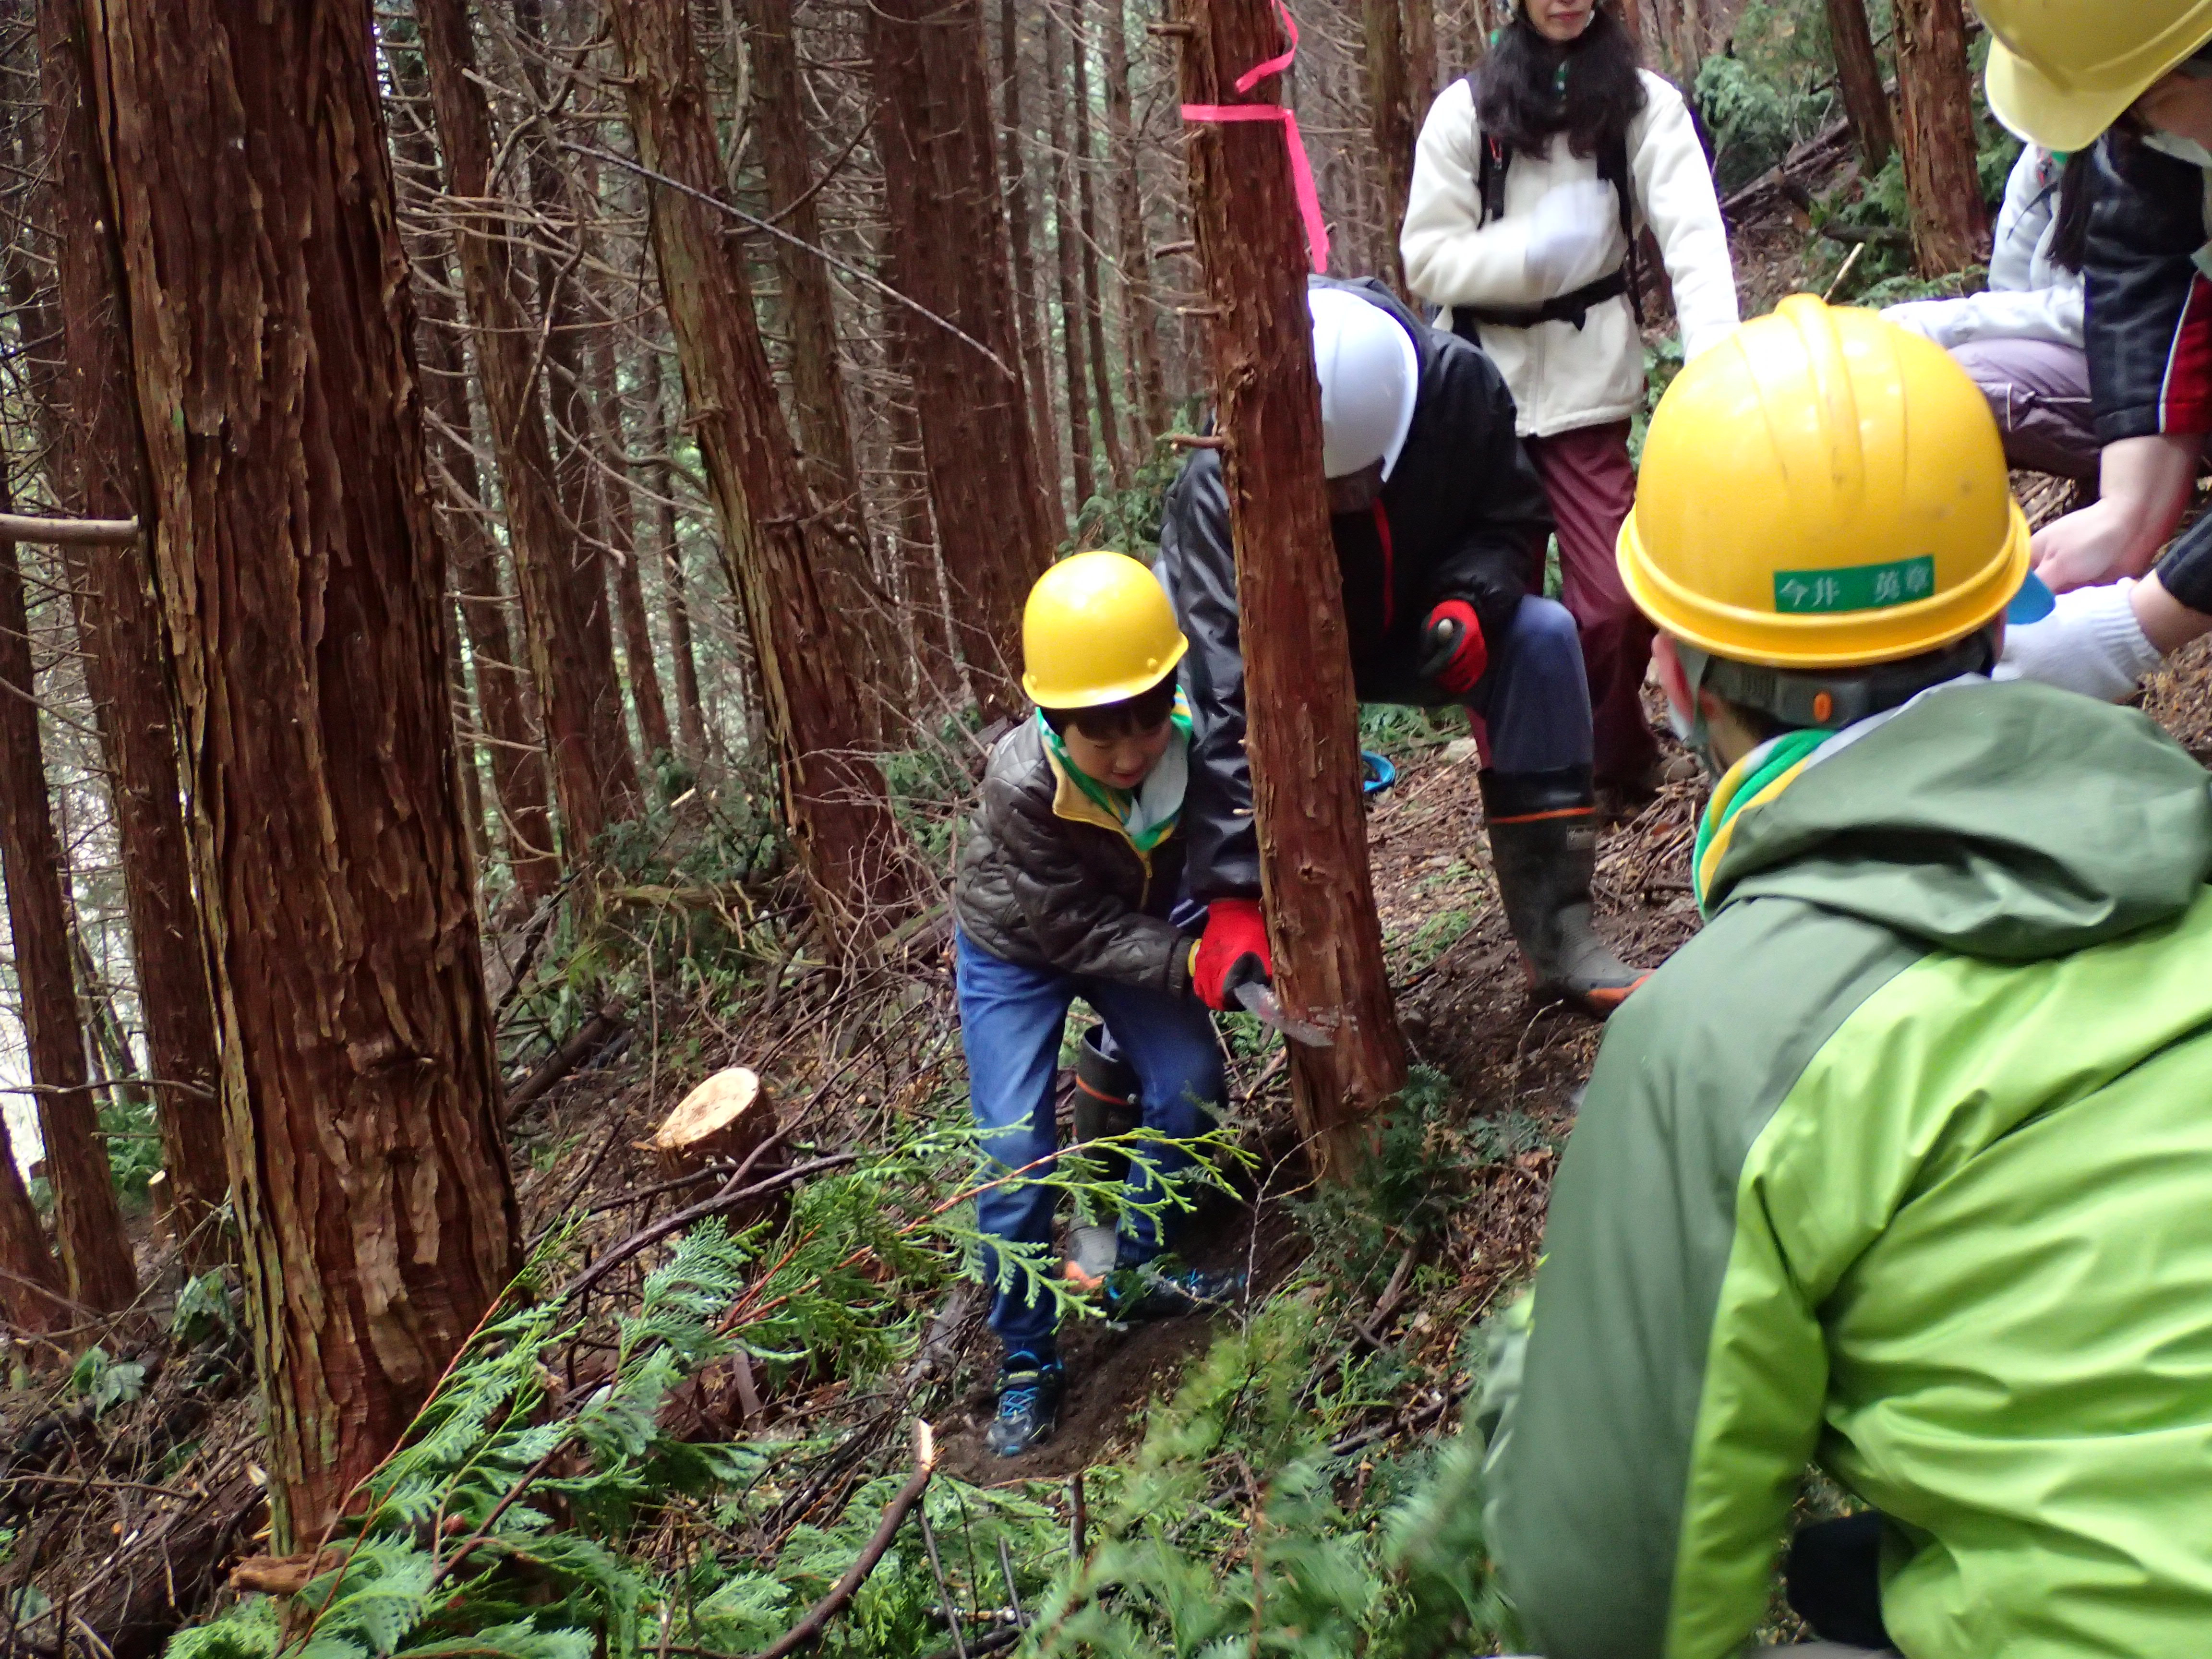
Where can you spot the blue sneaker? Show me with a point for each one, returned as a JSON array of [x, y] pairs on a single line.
[[1030, 1389], [1164, 1288]]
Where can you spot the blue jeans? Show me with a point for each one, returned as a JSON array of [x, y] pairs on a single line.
[[1011, 1021], [1535, 698]]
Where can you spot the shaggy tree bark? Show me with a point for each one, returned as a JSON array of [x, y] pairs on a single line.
[[1031, 327], [859, 608], [1935, 94], [1858, 72], [1305, 738], [512, 743], [302, 584], [88, 1223], [517, 750], [941, 182], [126, 659], [1140, 326], [564, 605], [835, 801]]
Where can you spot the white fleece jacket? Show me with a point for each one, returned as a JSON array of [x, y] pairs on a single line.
[[2030, 296], [1563, 377]]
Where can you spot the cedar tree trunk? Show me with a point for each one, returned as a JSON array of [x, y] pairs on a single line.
[[859, 607], [1014, 141], [1394, 121], [126, 659], [941, 182], [564, 606], [88, 1223], [1079, 452], [1858, 72], [303, 582], [1935, 94], [690, 717], [777, 544], [1303, 739], [1094, 293], [1139, 327]]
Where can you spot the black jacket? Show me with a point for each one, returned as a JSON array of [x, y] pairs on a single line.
[[2149, 323], [1467, 521], [1047, 890]]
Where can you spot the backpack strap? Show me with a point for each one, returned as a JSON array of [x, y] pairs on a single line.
[[1613, 167]]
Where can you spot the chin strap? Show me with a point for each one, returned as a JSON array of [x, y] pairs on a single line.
[[1809, 700]]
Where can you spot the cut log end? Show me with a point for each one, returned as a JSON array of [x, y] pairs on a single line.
[[721, 1121]]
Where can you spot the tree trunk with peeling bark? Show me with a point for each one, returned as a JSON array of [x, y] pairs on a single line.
[[859, 607], [96, 1262], [564, 605], [1858, 74], [303, 586], [1303, 739], [835, 800], [126, 659], [1935, 95], [941, 184]]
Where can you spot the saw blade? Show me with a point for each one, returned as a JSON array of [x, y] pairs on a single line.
[[1262, 1004]]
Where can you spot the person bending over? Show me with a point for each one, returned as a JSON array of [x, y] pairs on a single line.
[[1437, 520], [1069, 873]]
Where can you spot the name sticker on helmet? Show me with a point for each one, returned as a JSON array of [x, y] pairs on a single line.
[[1854, 586]]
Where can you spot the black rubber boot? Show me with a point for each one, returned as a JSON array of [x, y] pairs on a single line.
[[1105, 1099], [1543, 845]]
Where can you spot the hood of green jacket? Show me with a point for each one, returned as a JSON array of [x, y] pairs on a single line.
[[2012, 822]]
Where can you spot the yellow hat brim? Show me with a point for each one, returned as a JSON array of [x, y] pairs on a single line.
[[1856, 639], [2034, 107]]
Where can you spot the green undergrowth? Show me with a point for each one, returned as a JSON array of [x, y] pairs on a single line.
[[540, 1507]]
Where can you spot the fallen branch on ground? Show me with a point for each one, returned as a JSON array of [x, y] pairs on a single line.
[[809, 1630]]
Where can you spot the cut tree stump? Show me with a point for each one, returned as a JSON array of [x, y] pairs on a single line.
[[723, 1120]]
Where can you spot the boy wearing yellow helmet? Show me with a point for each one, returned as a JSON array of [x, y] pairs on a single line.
[[1901, 1166], [1070, 875]]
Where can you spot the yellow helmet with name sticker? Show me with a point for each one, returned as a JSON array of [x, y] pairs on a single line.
[[1819, 490]]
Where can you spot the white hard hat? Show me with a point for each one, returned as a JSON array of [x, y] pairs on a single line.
[[1369, 374]]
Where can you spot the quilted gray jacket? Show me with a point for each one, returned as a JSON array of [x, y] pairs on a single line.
[[1047, 879]]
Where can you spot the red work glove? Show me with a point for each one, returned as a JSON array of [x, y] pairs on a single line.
[[1232, 951], [1454, 653]]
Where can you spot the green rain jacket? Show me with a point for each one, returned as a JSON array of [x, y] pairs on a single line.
[[1902, 1166]]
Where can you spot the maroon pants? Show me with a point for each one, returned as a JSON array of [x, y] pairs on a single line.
[[1591, 483]]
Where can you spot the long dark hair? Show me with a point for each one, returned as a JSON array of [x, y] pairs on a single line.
[[1517, 98], [2069, 247]]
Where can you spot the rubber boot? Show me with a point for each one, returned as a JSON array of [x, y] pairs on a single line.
[[1106, 1104], [1543, 845], [1105, 1099]]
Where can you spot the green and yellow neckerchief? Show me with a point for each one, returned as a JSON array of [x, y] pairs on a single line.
[[1756, 778], [1148, 813]]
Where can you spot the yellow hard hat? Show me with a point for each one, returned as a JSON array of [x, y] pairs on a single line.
[[2061, 71], [1096, 629], [1823, 490]]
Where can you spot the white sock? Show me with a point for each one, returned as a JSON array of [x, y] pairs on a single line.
[[2090, 642]]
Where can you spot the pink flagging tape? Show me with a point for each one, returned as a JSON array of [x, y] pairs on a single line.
[[1302, 178]]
